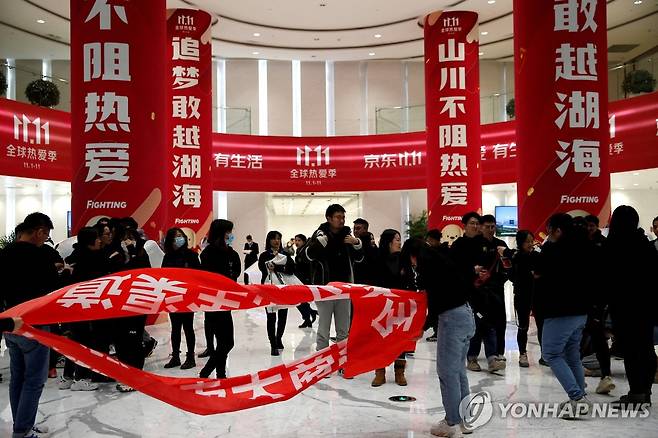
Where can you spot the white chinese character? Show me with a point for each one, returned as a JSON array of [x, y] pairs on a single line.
[[186, 138], [184, 77], [238, 161], [452, 135], [21, 151], [52, 156], [258, 387], [322, 173], [31, 154], [453, 165], [112, 58], [512, 150], [370, 161], [217, 302], [105, 11], [452, 106], [112, 104], [483, 153], [147, 295], [186, 49], [255, 161], [455, 51], [187, 166], [11, 151], [616, 148], [190, 194], [42, 153], [457, 76], [305, 373], [294, 174], [500, 150], [106, 162], [395, 316], [221, 160], [583, 111], [566, 15], [90, 293], [313, 173], [181, 104], [454, 193], [416, 158], [389, 160], [332, 173], [584, 58], [584, 154]]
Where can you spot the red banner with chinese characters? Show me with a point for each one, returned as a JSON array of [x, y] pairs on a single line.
[[189, 201], [452, 97], [385, 322], [118, 118], [35, 142], [561, 125]]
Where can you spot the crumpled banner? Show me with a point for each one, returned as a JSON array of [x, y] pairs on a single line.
[[385, 323]]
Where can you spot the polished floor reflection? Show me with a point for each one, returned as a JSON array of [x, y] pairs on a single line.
[[334, 407]]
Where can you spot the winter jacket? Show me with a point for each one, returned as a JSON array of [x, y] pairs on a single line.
[[388, 272], [288, 268], [446, 285], [89, 264], [221, 260], [332, 259], [181, 258], [521, 275], [366, 270]]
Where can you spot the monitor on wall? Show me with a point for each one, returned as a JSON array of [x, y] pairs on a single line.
[[506, 220]]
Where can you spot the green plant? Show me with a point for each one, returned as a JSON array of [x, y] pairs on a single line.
[[3, 83], [509, 108], [42, 93], [639, 81], [6, 240], [417, 226]]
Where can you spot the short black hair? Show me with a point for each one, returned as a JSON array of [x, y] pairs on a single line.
[[130, 223], [521, 237], [34, 221], [561, 221], [103, 221], [249, 237], [333, 209], [87, 236], [488, 219], [591, 219], [301, 237], [20, 228], [470, 215], [361, 221], [434, 234]]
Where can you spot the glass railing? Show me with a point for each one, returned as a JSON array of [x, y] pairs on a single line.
[[238, 119]]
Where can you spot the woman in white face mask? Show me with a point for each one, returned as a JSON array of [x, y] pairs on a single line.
[[178, 255]]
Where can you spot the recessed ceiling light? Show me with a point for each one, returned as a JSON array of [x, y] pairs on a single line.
[[61, 80], [371, 54], [491, 2], [637, 2], [496, 94], [256, 34], [481, 53], [378, 35], [316, 39], [322, 5], [485, 33], [636, 173], [255, 53], [40, 21], [635, 184], [620, 188]]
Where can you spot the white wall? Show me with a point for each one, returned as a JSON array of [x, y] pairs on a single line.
[[289, 226], [247, 212], [644, 201]]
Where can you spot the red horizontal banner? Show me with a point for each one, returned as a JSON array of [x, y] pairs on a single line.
[[252, 163], [386, 322]]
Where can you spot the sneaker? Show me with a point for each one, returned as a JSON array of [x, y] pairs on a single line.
[[523, 360], [496, 365], [464, 430], [605, 385], [502, 357], [41, 429], [573, 409], [431, 338], [473, 365], [173, 362], [84, 385], [124, 388], [65, 383], [442, 428]]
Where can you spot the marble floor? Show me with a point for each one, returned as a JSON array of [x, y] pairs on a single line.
[[335, 407]]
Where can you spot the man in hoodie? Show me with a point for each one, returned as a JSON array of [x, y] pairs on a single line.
[[332, 251]]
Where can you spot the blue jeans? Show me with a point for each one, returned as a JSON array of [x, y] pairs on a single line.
[[561, 349], [484, 332], [28, 366], [455, 328]]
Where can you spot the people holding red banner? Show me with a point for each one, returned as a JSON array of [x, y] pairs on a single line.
[[179, 255], [273, 264], [332, 251], [220, 258]]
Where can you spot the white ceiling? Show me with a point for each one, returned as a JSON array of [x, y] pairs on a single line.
[[636, 180], [308, 205], [33, 187], [306, 30]]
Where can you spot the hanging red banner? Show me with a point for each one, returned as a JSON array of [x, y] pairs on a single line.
[[385, 322], [561, 125], [452, 97], [118, 98], [189, 201]]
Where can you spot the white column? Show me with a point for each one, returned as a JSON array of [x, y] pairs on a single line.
[[10, 205], [405, 214], [262, 97], [47, 197], [405, 96], [363, 84], [220, 204], [11, 79], [46, 70], [330, 101], [296, 98], [220, 71]]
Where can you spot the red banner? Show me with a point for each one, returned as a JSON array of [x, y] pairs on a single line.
[[118, 102], [189, 205], [385, 322], [562, 125], [35, 142], [452, 108]]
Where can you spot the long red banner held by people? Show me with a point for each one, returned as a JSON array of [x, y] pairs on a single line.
[[385, 323]]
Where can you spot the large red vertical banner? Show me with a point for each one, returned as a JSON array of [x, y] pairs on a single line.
[[118, 117], [189, 195], [561, 109], [452, 102]]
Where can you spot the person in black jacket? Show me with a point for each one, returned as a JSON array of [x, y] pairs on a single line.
[[365, 271], [629, 263], [220, 258], [179, 255], [251, 252], [303, 273], [272, 263]]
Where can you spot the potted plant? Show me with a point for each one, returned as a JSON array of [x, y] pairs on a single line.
[[509, 108], [42, 93], [638, 81], [417, 226], [3, 83], [6, 240]]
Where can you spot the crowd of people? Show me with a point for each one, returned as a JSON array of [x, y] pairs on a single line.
[[570, 284]]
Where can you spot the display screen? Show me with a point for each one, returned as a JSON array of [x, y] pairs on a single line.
[[506, 221]]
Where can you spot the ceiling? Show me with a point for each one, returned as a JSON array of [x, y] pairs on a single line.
[[322, 29], [308, 205]]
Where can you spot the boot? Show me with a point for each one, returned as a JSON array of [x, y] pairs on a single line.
[[279, 343], [274, 351], [399, 366], [306, 324], [380, 377], [174, 361], [314, 315], [189, 362]]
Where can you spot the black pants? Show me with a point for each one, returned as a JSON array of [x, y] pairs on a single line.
[[636, 338], [185, 321], [82, 333], [522, 306], [432, 318], [220, 325], [273, 335], [207, 331], [129, 334], [499, 320], [595, 329]]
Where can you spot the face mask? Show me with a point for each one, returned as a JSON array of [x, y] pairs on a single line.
[[179, 242], [230, 239]]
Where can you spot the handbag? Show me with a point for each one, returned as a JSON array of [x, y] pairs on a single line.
[[482, 279]]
